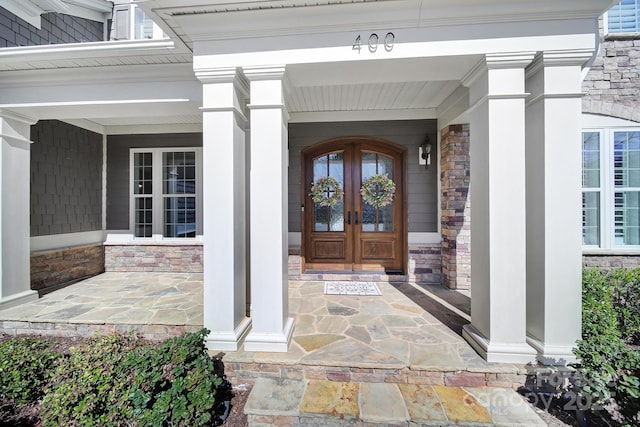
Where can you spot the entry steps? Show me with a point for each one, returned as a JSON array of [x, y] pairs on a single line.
[[320, 403]]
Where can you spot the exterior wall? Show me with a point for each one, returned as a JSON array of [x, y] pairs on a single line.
[[611, 261], [56, 29], [612, 87], [118, 176], [456, 207], [156, 258], [424, 266], [422, 182], [425, 263], [66, 179], [52, 268]]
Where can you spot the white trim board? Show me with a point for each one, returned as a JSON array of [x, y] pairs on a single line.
[[67, 240]]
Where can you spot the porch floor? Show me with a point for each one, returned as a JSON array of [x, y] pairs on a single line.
[[408, 328]]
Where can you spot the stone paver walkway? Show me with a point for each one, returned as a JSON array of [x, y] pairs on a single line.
[[331, 403]]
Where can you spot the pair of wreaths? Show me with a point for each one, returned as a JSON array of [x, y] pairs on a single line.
[[377, 191]]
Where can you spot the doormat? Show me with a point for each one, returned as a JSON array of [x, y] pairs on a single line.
[[351, 288]]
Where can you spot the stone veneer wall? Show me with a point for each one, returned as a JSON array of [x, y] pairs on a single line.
[[55, 267], [456, 207], [424, 266], [611, 86], [425, 263], [611, 261], [156, 258]]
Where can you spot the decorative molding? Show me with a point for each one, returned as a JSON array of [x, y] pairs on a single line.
[[17, 299], [239, 115], [559, 58], [216, 75], [493, 97], [363, 115], [266, 72], [492, 352], [554, 355], [496, 61], [545, 96], [228, 341], [271, 342]]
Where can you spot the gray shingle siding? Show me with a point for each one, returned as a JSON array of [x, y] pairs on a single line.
[[56, 29], [66, 179]]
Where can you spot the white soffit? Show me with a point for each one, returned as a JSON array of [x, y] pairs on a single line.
[[198, 20]]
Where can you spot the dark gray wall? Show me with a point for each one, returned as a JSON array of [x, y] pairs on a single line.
[[118, 169], [56, 28], [66, 179], [422, 182]]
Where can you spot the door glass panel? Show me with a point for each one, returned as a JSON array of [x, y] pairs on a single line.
[[329, 216], [376, 218]]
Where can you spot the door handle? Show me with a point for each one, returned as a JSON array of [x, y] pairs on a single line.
[[356, 217], [349, 218]]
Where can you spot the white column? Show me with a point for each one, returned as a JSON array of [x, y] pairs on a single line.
[[272, 326], [498, 245], [554, 255], [224, 208], [15, 160]]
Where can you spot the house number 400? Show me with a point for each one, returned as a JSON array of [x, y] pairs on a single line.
[[374, 41]]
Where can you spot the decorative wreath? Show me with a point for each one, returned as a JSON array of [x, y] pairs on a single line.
[[326, 191], [378, 190]]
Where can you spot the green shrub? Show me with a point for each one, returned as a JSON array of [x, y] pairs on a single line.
[[89, 388], [120, 380], [25, 367], [610, 368], [627, 300], [176, 384]]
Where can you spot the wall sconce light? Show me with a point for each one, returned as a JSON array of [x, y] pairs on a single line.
[[424, 152]]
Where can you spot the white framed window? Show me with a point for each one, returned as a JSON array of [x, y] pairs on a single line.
[[131, 23], [623, 18], [166, 193], [611, 188]]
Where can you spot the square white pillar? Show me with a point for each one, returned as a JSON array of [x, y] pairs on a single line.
[[15, 161], [554, 204], [498, 219], [272, 327], [224, 208]]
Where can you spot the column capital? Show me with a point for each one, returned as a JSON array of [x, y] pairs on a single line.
[[498, 61], [265, 72], [224, 75], [559, 58]]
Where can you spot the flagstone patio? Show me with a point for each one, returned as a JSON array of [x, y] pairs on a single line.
[[410, 333]]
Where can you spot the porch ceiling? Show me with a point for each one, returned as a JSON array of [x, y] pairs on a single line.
[[118, 97]]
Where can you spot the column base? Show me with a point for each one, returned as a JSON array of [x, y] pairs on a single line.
[[261, 341], [554, 355], [228, 341], [17, 299], [498, 352]]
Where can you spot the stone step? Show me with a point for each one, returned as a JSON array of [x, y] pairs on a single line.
[[318, 403]]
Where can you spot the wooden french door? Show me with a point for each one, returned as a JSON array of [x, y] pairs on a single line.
[[351, 234]]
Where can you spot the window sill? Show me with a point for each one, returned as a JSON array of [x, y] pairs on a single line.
[[621, 36], [611, 252], [129, 240]]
